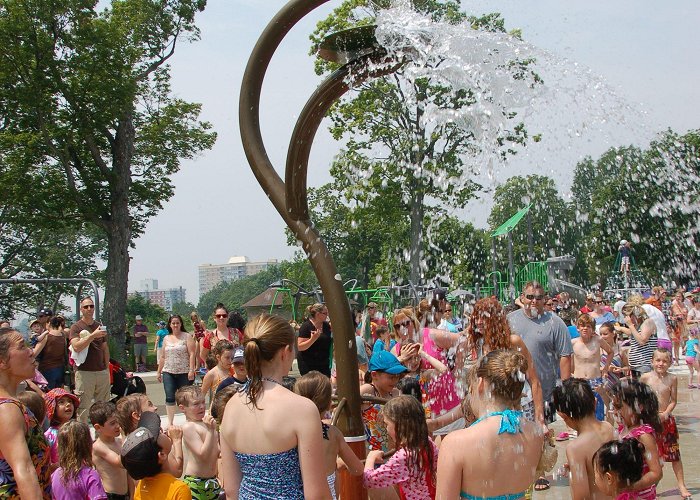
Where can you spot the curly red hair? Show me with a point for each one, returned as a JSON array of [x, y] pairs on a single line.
[[495, 331]]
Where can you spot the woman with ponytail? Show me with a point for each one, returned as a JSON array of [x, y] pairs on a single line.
[[500, 444], [270, 440]]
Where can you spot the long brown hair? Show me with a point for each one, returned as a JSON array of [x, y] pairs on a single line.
[[265, 335], [316, 387], [496, 330], [74, 449], [412, 434]]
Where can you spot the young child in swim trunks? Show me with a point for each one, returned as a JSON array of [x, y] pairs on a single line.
[[586, 358], [575, 402], [202, 440], [665, 385], [106, 451]]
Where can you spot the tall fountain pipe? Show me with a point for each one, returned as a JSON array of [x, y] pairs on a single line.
[[290, 199]]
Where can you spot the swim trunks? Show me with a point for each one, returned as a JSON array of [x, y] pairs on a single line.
[[667, 441], [203, 488]]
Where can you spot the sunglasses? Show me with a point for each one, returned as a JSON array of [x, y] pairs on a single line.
[[221, 316], [399, 325], [534, 297], [89, 306]]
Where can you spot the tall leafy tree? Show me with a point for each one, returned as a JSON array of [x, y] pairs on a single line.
[[392, 149], [551, 219], [85, 98]]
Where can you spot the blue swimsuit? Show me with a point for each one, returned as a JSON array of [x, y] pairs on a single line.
[[510, 423], [274, 476]]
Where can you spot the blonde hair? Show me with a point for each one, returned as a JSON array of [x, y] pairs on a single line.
[[265, 335], [633, 307], [74, 449], [314, 309], [408, 313], [504, 370]]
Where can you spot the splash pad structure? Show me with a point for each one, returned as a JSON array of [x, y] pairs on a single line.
[[357, 52]]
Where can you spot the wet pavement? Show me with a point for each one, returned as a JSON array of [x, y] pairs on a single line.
[[687, 415]]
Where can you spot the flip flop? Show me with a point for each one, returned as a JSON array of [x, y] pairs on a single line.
[[541, 484]]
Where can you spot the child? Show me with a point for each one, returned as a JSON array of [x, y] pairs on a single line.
[[382, 377], [586, 359], [692, 353], [618, 368], [144, 454], [75, 477], [625, 250], [665, 385], [240, 376], [618, 466], [160, 335], [107, 448], [384, 341], [129, 409], [575, 402], [222, 352], [60, 408], [317, 387], [36, 405], [412, 468], [202, 440], [637, 408]]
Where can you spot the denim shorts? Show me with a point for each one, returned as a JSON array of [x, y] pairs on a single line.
[[171, 383]]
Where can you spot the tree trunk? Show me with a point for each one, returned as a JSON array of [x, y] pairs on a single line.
[[416, 248], [119, 238]]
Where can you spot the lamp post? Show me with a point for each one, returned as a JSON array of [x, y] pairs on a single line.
[[356, 50]]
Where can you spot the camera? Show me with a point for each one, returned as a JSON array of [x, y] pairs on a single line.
[[103, 328]]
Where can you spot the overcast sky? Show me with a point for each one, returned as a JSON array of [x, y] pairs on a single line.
[[645, 50]]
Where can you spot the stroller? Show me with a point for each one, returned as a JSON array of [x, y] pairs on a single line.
[[124, 383]]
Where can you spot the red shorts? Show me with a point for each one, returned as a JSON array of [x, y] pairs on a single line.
[[667, 441]]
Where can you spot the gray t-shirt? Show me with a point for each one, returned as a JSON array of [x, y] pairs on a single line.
[[547, 339]]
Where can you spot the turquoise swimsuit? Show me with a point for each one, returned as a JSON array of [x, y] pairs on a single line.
[[510, 423]]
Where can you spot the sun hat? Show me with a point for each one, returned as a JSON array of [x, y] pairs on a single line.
[[384, 361], [138, 317], [51, 399]]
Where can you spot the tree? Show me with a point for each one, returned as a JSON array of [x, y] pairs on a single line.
[[85, 98], [649, 197], [551, 219], [184, 309], [393, 148]]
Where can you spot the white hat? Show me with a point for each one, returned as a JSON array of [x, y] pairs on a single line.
[[138, 317], [623, 242], [618, 295]]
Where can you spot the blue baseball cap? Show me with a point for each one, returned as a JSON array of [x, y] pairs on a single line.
[[384, 361]]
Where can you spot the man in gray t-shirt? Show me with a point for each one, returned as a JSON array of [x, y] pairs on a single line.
[[547, 339]]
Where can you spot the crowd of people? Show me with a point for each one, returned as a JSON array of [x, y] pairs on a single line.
[[455, 406]]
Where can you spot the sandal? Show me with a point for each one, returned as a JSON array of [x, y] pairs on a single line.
[[541, 484]]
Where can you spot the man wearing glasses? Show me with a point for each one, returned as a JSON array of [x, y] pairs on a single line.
[[547, 338], [92, 375]]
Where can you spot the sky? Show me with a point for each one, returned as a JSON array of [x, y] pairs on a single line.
[[644, 50]]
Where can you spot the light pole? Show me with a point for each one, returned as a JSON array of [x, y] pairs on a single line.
[[355, 49]]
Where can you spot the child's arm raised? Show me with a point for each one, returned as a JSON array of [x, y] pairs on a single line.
[[651, 456], [175, 459], [350, 460], [434, 362], [201, 449], [111, 457]]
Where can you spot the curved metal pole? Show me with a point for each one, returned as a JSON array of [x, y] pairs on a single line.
[[317, 252]]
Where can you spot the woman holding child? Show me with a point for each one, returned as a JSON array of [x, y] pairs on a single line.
[[23, 452], [642, 333], [265, 452]]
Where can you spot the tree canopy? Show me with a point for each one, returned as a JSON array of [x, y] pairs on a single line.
[[86, 103]]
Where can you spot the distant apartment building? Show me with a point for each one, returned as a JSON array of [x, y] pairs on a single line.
[[210, 275], [148, 289]]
